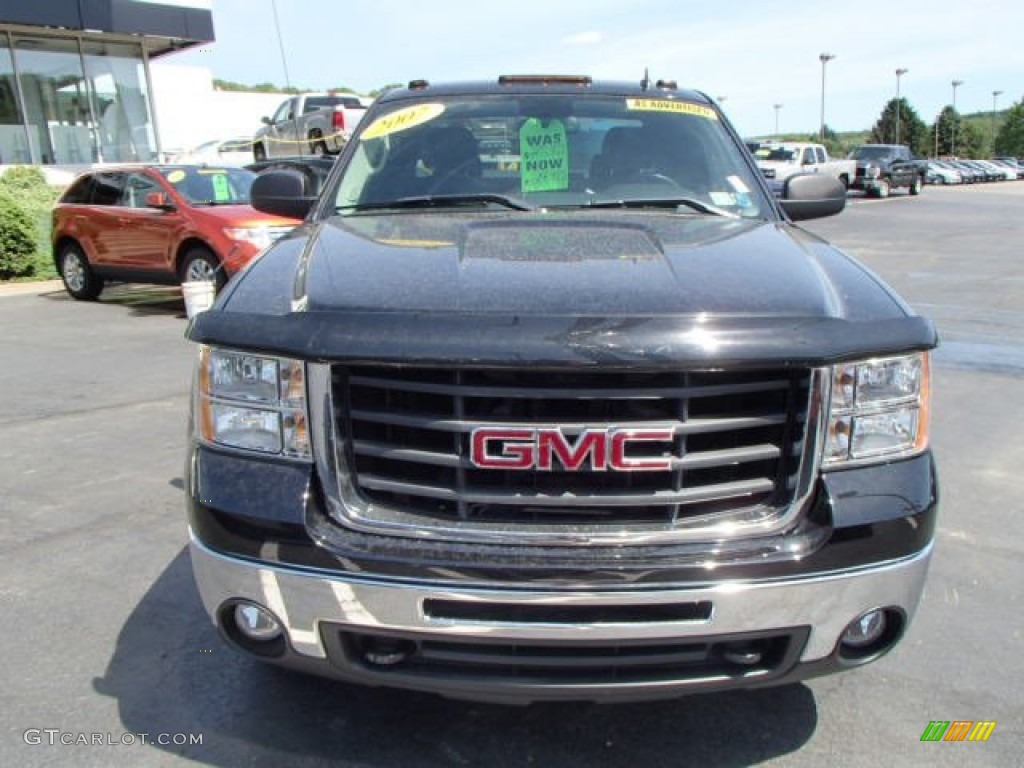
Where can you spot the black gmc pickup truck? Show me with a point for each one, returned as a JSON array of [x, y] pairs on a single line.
[[882, 168], [549, 398]]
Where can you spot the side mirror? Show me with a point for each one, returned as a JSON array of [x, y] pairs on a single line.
[[812, 196], [265, 120], [282, 193], [159, 200]]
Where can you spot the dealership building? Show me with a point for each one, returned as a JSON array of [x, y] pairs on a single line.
[[76, 84]]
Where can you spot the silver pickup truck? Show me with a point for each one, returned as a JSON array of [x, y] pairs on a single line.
[[318, 123]]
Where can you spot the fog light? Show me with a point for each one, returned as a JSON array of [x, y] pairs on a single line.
[[256, 623], [865, 630], [387, 651]]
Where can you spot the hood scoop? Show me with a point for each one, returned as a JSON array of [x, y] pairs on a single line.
[[558, 241]]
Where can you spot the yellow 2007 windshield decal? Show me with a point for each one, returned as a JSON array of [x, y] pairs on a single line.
[[665, 105], [402, 119]]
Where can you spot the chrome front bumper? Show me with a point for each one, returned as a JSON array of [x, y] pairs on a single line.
[[305, 600]]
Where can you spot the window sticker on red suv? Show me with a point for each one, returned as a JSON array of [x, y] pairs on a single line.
[[221, 188]]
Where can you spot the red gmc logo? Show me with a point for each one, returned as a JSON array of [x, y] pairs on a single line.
[[539, 447]]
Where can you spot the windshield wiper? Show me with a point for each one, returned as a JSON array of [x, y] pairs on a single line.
[[440, 201], [662, 202]]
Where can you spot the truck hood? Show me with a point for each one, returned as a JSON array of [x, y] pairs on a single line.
[[457, 278], [568, 264]]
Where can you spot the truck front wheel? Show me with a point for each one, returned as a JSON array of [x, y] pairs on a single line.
[[882, 189], [915, 188]]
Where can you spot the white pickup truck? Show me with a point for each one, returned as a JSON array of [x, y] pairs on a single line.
[[780, 160], [315, 123]]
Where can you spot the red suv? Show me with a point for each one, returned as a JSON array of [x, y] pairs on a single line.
[[158, 224]]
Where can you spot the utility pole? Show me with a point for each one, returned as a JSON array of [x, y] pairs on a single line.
[[777, 108], [899, 73], [280, 45]]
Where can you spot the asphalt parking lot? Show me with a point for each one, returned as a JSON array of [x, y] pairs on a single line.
[[104, 633]]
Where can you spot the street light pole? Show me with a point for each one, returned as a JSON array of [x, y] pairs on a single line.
[[777, 108], [824, 58], [952, 140], [900, 72], [995, 95]]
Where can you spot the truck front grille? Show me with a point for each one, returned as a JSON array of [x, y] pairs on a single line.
[[404, 443]]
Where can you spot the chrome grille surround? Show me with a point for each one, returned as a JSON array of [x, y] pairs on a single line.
[[365, 501]]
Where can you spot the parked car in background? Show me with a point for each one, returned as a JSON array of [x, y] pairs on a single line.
[[984, 172], [158, 224], [1000, 172], [236, 151], [318, 123], [313, 168], [780, 160], [884, 167], [937, 173], [968, 172], [1013, 165]]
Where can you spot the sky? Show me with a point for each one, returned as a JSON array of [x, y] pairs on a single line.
[[749, 55]]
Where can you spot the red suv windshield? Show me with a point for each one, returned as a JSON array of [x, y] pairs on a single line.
[[210, 186]]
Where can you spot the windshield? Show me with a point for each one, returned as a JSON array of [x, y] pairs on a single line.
[[319, 102], [777, 154], [871, 153], [210, 186], [530, 151]]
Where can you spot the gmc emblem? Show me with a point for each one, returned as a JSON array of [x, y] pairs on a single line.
[[539, 447]]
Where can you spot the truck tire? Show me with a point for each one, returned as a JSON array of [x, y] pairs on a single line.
[[317, 145], [79, 280], [882, 190], [259, 152], [915, 187]]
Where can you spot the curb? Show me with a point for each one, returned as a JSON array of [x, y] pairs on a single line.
[[28, 289]]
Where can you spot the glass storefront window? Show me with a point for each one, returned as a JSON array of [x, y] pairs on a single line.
[[13, 141], [120, 101], [56, 100], [84, 102]]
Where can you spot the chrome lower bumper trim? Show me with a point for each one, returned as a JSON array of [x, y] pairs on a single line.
[[302, 601]]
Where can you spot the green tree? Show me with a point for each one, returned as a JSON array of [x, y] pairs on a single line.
[[378, 91], [912, 130], [1010, 136], [831, 142], [950, 128]]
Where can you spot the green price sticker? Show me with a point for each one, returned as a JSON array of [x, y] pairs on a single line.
[[221, 188], [545, 155]]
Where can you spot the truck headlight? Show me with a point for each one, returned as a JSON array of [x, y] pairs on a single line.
[[252, 402], [879, 409]]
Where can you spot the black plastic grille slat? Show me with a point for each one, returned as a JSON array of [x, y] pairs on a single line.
[[560, 662], [406, 439], [537, 663]]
